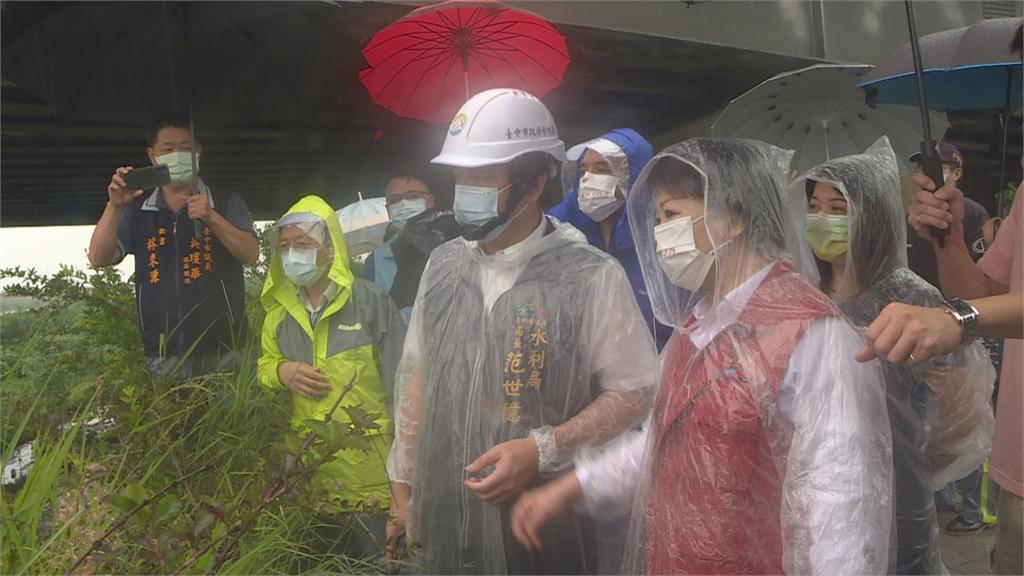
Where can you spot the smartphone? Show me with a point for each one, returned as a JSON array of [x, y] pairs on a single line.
[[148, 177]]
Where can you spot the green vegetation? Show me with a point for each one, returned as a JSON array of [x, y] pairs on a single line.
[[132, 475]]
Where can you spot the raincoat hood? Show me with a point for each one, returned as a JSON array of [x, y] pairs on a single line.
[[870, 183], [636, 148], [638, 152], [279, 290], [741, 179]]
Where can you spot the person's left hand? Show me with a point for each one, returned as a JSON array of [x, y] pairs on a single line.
[[199, 207], [538, 506], [515, 465], [904, 334]]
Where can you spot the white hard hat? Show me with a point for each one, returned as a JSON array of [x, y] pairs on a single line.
[[496, 126]]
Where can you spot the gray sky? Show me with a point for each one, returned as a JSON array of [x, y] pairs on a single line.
[[45, 248]]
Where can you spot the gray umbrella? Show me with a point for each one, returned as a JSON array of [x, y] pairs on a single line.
[[820, 114]]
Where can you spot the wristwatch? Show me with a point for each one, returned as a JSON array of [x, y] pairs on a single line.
[[966, 315]]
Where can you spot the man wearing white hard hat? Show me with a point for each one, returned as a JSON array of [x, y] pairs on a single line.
[[525, 347]]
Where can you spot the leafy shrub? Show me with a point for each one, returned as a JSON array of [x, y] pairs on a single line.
[[133, 475]]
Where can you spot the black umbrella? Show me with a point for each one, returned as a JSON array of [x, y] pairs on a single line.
[[127, 62], [227, 63]]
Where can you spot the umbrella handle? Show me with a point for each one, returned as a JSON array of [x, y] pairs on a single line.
[[931, 165]]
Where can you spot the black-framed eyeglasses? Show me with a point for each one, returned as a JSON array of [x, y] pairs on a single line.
[[408, 195]]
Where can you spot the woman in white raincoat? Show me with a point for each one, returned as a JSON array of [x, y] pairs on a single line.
[[939, 409], [758, 458]]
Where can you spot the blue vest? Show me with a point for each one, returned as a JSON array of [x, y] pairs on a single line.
[[189, 290]]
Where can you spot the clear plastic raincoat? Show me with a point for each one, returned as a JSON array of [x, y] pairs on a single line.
[[940, 409], [545, 335], [768, 448]]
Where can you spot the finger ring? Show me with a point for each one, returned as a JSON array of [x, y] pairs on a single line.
[[912, 359], [918, 218]]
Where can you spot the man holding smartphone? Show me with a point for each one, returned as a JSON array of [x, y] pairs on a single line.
[[188, 279]]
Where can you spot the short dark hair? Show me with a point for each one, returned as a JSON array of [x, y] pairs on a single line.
[[414, 172], [437, 180], [524, 171], [172, 120], [1017, 44]]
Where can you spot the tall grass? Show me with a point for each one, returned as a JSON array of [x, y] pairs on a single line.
[[23, 513], [190, 478]]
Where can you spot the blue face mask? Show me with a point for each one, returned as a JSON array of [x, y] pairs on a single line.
[[476, 211], [300, 266], [406, 209]]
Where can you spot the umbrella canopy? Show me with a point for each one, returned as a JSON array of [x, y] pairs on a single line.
[[819, 112], [429, 63], [364, 223], [967, 68], [128, 63]]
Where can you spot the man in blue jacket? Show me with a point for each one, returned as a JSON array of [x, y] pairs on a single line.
[[605, 171]]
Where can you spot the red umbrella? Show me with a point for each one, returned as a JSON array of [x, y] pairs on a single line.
[[431, 61]]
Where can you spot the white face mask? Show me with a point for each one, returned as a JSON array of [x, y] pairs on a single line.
[[684, 264], [300, 266], [597, 195]]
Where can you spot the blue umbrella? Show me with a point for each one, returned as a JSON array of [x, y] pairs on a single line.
[[969, 68]]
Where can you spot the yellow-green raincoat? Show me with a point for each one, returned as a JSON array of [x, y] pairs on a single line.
[[359, 332]]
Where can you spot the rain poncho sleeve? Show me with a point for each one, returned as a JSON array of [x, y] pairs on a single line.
[[940, 409], [608, 474], [836, 502], [959, 419], [408, 404], [625, 381]]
